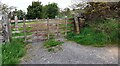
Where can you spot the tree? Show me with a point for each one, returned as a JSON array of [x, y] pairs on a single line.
[[6, 31], [96, 10], [66, 12], [78, 6], [45, 14], [35, 10], [19, 13], [52, 10], [5, 8]]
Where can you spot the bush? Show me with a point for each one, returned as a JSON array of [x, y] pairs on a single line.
[[12, 52], [110, 28], [99, 34]]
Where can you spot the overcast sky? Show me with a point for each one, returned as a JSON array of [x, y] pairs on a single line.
[[23, 4]]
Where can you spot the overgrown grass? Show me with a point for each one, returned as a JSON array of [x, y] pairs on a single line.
[[12, 52], [51, 43], [98, 35], [88, 37], [0, 54]]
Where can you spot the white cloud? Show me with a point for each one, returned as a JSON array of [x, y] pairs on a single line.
[[23, 4]]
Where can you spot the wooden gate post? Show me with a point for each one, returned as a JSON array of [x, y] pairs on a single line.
[[16, 22], [77, 25], [48, 35], [37, 27], [6, 31], [81, 23], [56, 32], [57, 25], [9, 29], [24, 27], [65, 25]]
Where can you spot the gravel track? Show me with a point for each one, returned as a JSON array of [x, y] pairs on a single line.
[[71, 53]]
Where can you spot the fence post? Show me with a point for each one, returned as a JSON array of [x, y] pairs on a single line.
[[48, 36], [6, 28], [65, 25], [9, 29], [81, 23], [77, 25], [58, 20], [16, 22], [24, 27], [37, 29]]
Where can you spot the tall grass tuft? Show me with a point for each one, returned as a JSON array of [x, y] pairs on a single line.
[[12, 52]]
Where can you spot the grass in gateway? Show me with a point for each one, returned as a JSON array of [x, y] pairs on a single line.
[[51, 43]]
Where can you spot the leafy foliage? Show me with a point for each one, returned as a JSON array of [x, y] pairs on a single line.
[[20, 14], [34, 10], [37, 10], [101, 10], [65, 12], [52, 10], [4, 8], [108, 27]]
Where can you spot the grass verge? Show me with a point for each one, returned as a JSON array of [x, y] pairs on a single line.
[[0, 54], [12, 52]]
